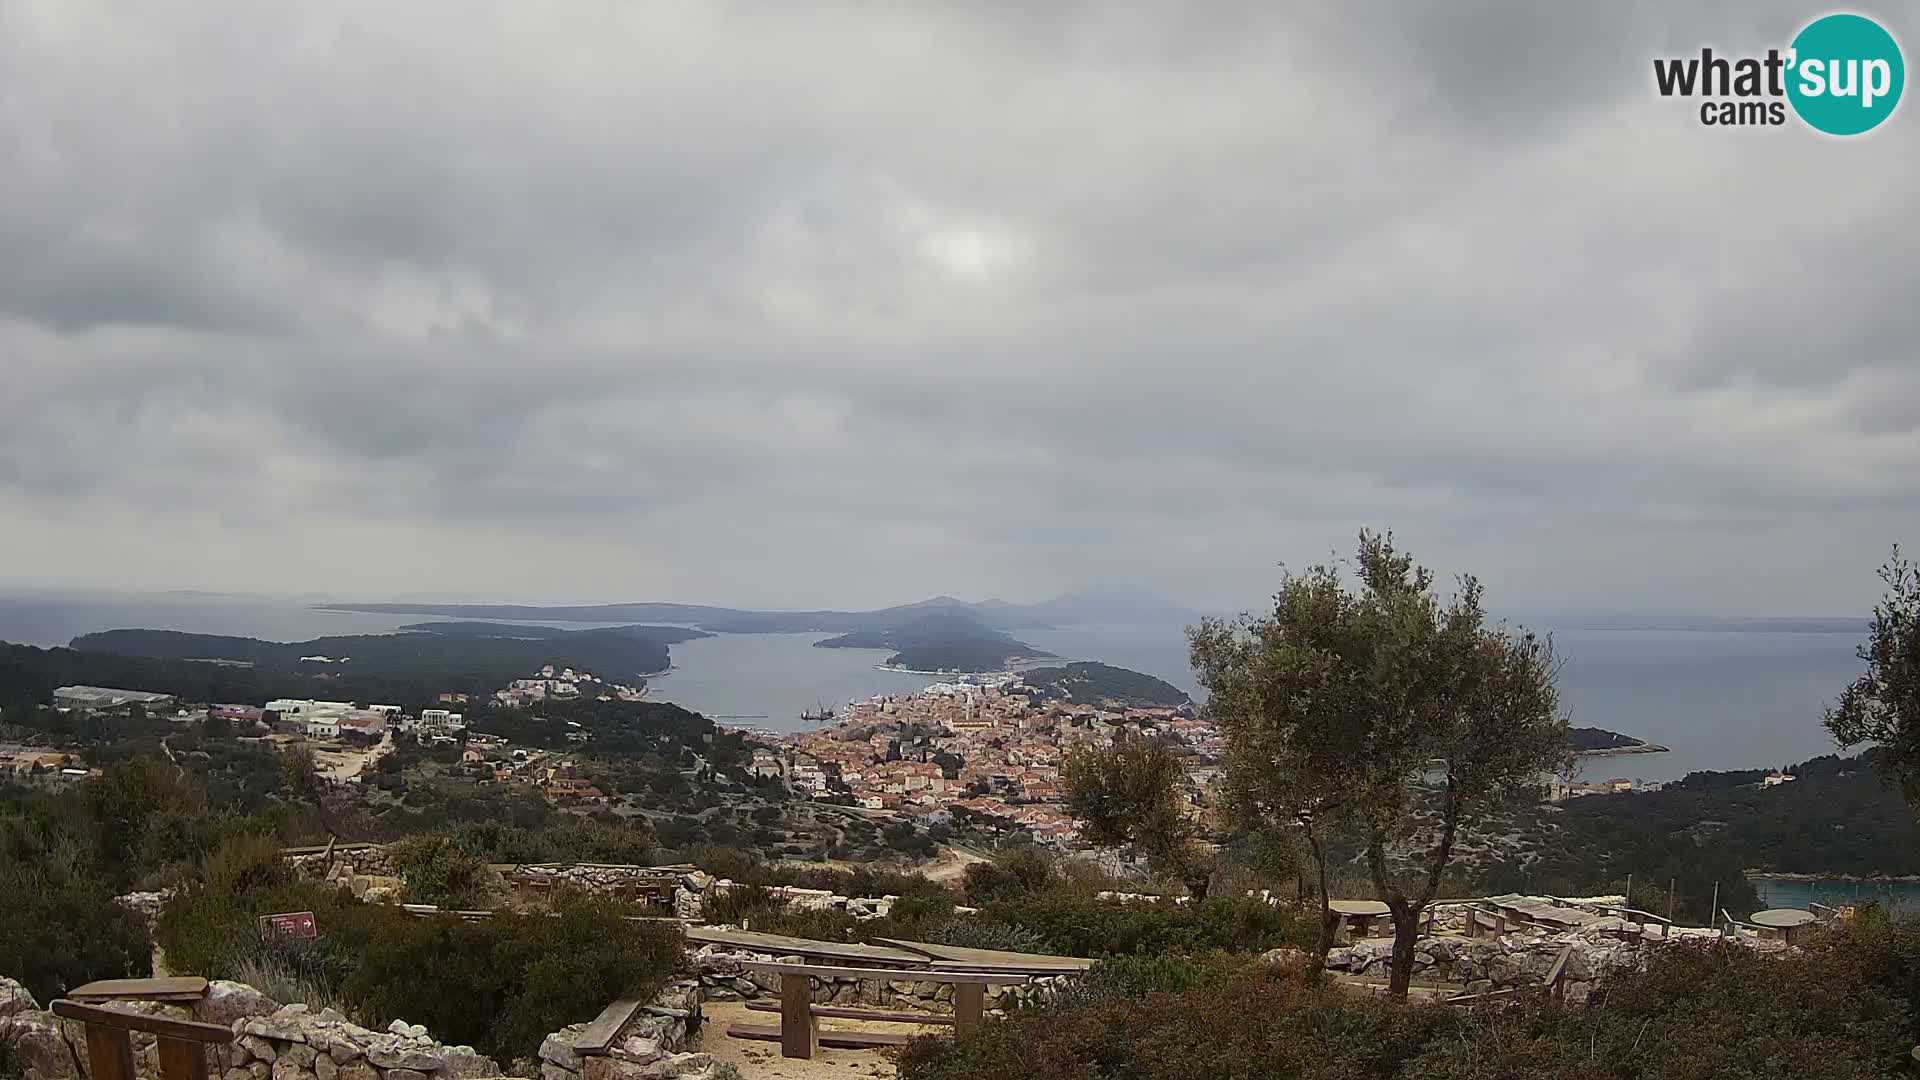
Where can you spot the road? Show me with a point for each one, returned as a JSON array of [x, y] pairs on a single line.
[[341, 766]]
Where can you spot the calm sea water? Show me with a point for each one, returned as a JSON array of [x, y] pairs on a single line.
[[1719, 700], [1901, 895]]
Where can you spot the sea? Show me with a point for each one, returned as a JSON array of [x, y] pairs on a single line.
[[1716, 699]]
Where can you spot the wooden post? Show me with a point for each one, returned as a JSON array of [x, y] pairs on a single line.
[[181, 1059], [109, 1053], [969, 1006], [1714, 908], [799, 1033], [1667, 930]]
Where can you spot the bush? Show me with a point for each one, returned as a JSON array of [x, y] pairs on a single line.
[[502, 984], [1077, 925], [498, 984], [59, 923], [1696, 1013], [1168, 973], [1257, 1029], [1012, 875], [439, 871]]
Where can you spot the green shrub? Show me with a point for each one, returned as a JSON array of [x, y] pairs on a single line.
[[1165, 973], [1011, 875], [439, 871], [1078, 925], [502, 984], [1696, 1013], [978, 932], [59, 924]]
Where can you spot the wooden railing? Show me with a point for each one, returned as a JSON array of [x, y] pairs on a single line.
[[182, 1043]]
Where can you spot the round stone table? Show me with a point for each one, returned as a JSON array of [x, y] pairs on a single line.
[[1782, 919], [1358, 915]]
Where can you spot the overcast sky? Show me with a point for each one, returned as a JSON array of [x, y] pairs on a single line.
[[815, 304]]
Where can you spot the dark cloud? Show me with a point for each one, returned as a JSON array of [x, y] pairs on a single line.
[[820, 306]]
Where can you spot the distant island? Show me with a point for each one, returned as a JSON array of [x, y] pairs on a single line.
[[1599, 742], [941, 642], [1107, 604], [1085, 682]]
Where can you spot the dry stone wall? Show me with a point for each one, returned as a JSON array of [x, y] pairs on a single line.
[[1491, 963], [723, 977]]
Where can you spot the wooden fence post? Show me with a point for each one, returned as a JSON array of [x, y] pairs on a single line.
[[799, 1032]]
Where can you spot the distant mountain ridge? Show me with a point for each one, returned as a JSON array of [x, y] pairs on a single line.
[[1106, 604]]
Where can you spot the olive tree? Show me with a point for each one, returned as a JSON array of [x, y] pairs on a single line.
[[1369, 702], [1883, 705], [1131, 795]]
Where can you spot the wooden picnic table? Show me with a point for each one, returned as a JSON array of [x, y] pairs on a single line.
[[799, 1031]]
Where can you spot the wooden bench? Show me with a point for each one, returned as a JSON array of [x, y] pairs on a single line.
[[182, 1043], [799, 1032]]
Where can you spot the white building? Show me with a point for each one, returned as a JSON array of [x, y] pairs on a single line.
[[307, 708], [438, 722], [107, 697]]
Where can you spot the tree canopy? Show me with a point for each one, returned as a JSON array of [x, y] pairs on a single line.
[[1883, 704], [1367, 700]]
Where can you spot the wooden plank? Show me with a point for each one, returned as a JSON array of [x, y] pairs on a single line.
[[827, 971], [109, 1052], [605, 1028], [182, 1059], [172, 989], [842, 1012], [94, 1016], [799, 1031], [841, 1040], [969, 1006], [954, 958], [1559, 968], [782, 945]]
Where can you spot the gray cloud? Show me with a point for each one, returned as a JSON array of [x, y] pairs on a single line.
[[849, 305]]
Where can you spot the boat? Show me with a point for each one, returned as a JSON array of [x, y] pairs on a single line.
[[820, 714]]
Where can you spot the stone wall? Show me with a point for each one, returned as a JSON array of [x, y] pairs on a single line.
[[294, 1042], [651, 1044], [723, 977], [367, 860], [1484, 964], [297, 1043], [689, 886]]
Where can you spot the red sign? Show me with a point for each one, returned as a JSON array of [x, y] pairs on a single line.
[[293, 924]]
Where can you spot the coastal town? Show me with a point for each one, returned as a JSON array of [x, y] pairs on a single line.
[[990, 747]]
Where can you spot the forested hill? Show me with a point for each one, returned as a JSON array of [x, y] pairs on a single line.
[[406, 668], [1085, 682], [949, 641], [1836, 818]]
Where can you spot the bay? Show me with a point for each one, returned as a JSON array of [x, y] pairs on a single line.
[[1719, 700]]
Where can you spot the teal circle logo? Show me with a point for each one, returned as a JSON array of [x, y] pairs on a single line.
[[1845, 74]]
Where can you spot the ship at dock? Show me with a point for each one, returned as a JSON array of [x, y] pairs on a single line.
[[820, 714]]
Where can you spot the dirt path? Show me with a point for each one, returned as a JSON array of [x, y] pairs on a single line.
[[951, 864], [762, 1061]]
